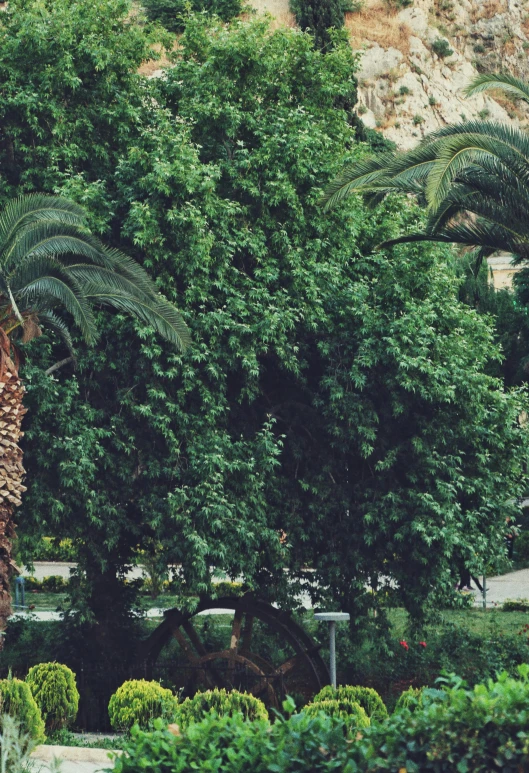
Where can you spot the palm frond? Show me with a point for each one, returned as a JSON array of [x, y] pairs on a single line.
[[514, 87], [156, 312], [32, 207], [52, 322], [75, 302]]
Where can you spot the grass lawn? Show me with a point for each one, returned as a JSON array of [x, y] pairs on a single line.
[[489, 623]]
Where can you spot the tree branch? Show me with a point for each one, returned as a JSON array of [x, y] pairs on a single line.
[[59, 365]]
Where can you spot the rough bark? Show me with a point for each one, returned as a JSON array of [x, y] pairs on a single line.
[[11, 476]]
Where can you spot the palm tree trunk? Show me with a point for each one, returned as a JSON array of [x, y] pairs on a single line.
[[11, 476]]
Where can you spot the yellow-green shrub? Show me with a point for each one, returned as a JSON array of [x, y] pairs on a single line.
[[409, 699], [55, 691], [350, 713], [19, 703], [224, 703], [138, 702], [366, 697]]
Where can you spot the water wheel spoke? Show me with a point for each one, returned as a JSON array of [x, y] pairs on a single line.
[[185, 645], [194, 638]]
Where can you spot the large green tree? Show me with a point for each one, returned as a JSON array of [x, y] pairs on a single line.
[[325, 381]]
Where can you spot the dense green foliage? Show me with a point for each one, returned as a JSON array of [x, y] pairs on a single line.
[[172, 13], [55, 691], [366, 697], [233, 744], [350, 713], [483, 729], [319, 17], [17, 701], [455, 728], [223, 703], [138, 702], [331, 392]]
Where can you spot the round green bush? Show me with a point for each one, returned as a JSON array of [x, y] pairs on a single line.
[[366, 697], [224, 703], [410, 699], [350, 712], [17, 701], [138, 702], [55, 691]]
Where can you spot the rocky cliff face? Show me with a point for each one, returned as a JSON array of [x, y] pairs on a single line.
[[416, 61]]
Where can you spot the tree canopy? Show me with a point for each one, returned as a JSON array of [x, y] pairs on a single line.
[[333, 393]]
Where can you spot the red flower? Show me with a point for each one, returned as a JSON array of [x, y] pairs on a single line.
[[422, 644], [404, 644]]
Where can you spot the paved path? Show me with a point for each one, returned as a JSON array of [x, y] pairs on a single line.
[[514, 585], [72, 759]]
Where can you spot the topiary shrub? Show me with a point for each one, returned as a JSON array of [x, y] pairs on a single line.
[[350, 713], [410, 699], [172, 13], [223, 703], [19, 703], [55, 691], [366, 697], [138, 702]]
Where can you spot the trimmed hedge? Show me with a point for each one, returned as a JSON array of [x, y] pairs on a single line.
[[350, 713], [366, 697], [17, 701], [138, 702], [223, 703], [477, 730], [55, 691]]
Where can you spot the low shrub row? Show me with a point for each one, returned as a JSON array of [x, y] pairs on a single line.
[[139, 702], [453, 728], [52, 584]]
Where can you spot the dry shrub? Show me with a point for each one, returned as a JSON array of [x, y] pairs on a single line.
[[489, 9], [379, 25]]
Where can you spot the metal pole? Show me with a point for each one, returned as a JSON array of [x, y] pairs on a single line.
[[484, 592], [332, 651]]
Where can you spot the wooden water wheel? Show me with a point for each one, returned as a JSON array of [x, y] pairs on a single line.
[[237, 665]]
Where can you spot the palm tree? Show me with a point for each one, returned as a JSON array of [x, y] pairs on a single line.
[[49, 261], [473, 176]]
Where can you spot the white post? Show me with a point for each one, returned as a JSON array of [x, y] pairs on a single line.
[[332, 618], [484, 592], [332, 651]]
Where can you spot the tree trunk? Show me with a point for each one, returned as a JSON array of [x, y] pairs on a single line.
[[11, 476]]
